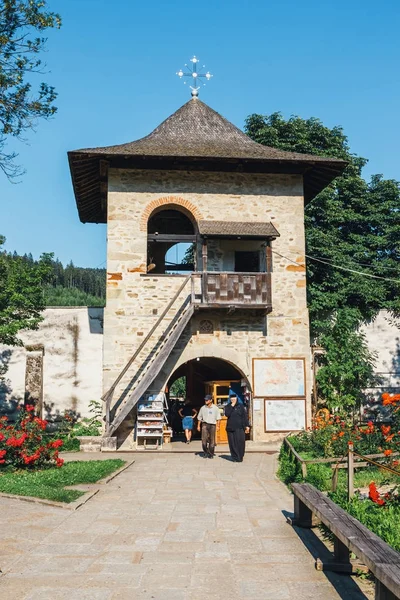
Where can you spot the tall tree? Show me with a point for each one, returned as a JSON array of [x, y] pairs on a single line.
[[21, 294], [353, 224], [20, 106]]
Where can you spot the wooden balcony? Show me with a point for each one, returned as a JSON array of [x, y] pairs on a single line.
[[236, 290]]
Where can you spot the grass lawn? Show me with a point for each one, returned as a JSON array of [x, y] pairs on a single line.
[[49, 483]]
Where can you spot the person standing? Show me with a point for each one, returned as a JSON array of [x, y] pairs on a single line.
[[237, 426], [208, 421], [187, 413]]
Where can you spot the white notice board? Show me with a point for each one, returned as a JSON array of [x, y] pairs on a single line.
[[279, 377], [285, 415]]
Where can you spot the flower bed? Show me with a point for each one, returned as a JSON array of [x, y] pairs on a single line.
[[328, 441], [24, 445]]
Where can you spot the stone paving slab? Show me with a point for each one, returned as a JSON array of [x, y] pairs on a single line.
[[171, 527]]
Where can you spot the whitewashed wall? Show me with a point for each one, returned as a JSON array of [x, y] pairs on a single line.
[[73, 343], [383, 338]]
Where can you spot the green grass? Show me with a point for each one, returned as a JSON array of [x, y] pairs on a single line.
[[50, 483]]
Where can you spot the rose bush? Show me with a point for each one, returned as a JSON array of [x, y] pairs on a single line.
[[23, 443]]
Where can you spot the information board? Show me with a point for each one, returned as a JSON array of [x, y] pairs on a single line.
[[285, 415]]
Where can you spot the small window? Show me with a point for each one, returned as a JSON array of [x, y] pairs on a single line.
[[247, 262]]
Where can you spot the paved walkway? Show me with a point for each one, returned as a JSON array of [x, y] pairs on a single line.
[[170, 527]]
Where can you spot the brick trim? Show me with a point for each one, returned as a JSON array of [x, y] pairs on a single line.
[[168, 200]]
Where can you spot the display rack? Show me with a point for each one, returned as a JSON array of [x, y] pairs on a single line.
[[151, 419]]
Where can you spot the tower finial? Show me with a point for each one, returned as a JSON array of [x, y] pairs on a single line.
[[195, 74]]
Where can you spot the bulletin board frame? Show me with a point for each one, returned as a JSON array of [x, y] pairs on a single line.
[[259, 393], [266, 430]]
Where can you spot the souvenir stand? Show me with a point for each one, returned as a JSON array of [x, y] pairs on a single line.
[[151, 421]]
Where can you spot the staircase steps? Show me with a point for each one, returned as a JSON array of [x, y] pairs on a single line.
[[151, 366]]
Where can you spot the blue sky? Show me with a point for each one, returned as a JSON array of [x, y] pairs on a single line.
[[114, 63]]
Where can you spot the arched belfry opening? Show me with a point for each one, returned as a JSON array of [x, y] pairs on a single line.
[[171, 238], [206, 375]]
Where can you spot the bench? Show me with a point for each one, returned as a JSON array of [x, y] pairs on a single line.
[[349, 536]]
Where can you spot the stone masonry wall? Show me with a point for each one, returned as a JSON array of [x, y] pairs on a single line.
[[134, 299]]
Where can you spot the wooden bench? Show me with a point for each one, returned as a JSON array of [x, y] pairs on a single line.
[[349, 536]]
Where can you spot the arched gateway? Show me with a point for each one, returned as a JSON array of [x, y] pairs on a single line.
[[225, 298]]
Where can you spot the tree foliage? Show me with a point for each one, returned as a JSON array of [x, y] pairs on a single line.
[[347, 367], [352, 223], [20, 47], [66, 286], [21, 294]]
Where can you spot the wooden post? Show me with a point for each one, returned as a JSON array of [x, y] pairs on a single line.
[[192, 290], [302, 514], [341, 552], [268, 257], [335, 476], [382, 593], [204, 257], [350, 471]]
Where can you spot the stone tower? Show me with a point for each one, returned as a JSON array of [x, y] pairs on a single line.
[[236, 310]]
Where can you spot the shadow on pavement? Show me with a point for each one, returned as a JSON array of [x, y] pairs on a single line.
[[345, 586]]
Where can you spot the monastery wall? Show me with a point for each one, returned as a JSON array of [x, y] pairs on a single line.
[[72, 362], [136, 299]]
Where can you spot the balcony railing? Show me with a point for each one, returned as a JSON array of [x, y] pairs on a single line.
[[240, 290]]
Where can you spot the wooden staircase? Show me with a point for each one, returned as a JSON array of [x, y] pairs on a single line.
[[156, 346]]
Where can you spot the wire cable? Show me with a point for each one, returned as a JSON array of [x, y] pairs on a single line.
[[329, 264]]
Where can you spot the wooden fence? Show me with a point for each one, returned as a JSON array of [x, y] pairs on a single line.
[[350, 461]]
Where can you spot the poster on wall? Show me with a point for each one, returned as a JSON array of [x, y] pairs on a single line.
[[285, 415], [279, 377]]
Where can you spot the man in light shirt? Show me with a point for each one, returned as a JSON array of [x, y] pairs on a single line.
[[208, 421]]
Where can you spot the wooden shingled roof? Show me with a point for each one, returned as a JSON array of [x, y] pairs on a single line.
[[235, 229], [195, 137]]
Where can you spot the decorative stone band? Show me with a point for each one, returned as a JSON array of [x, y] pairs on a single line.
[[169, 201]]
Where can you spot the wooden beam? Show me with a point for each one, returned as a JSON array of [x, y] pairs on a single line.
[[170, 237]]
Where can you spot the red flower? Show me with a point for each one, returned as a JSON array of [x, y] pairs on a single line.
[[16, 442], [2, 455], [341, 433], [389, 438], [56, 444], [388, 452], [31, 459], [59, 462], [29, 407], [40, 422], [1, 437], [374, 494]]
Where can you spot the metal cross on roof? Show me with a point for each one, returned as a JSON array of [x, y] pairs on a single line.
[[195, 74]]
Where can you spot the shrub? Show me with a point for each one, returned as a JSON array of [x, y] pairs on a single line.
[[289, 469], [90, 425], [23, 444]]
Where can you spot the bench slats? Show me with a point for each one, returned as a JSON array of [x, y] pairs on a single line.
[[379, 557]]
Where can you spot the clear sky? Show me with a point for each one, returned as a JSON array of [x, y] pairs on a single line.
[[114, 63]]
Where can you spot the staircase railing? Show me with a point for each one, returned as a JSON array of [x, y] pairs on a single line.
[[108, 396]]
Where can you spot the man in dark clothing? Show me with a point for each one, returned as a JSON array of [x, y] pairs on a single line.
[[237, 426]]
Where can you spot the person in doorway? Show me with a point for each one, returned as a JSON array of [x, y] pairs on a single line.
[[209, 418], [187, 413], [237, 426]]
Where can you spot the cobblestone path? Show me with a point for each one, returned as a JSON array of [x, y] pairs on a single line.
[[170, 527]]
